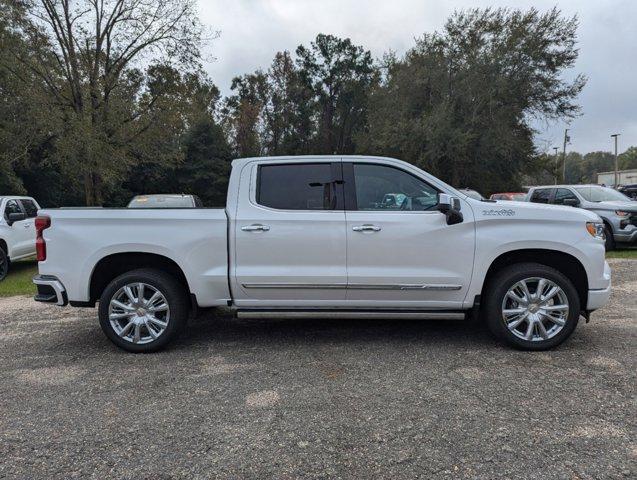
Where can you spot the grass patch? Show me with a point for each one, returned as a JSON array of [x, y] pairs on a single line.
[[628, 253], [18, 282]]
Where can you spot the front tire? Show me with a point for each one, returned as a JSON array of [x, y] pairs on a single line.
[[609, 242], [531, 306], [143, 310], [4, 264]]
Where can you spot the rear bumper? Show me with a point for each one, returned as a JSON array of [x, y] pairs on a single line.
[[50, 290]]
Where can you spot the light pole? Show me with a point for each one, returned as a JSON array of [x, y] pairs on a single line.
[[566, 140], [556, 163], [615, 135]]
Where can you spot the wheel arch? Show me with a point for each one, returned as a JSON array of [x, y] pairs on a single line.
[[563, 262], [116, 264]]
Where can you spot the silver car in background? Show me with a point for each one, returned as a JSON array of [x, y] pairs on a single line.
[[166, 200], [618, 212]]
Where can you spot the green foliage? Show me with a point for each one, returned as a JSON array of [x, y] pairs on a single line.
[[459, 103], [125, 109], [628, 159]]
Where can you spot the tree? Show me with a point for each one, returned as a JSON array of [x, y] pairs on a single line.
[[86, 55], [628, 159], [243, 114], [459, 103], [339, 74], [206, 169]]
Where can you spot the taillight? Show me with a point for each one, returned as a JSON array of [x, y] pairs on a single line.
[[41, 224]]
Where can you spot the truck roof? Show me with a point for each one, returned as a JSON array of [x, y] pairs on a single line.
[[295, 158], [565, 185]]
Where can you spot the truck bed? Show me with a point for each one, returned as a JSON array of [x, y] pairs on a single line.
[[194, 239]]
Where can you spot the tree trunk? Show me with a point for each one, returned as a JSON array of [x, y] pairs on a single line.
[[89, 189]]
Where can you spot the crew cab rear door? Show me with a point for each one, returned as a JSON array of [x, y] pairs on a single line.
[[288, 246], [400, 251]]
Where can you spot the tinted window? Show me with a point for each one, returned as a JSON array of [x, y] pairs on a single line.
[[541, 195], [308, 186], [379, 187], [601, 194], [563, 194], [11, 207], [30, 208]]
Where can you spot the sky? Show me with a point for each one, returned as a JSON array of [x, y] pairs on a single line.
[[252, 31]]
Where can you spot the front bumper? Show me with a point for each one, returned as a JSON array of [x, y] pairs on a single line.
[[626, 237], [599, 297], [50, 290]]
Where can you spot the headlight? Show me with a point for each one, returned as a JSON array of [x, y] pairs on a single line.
[[621, 213], [596, 229]]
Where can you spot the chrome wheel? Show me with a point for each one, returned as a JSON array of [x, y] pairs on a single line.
[[139, 313], [535, 309]]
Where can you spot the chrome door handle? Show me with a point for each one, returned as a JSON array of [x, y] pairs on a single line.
[[257, 227], [366, 228], [26, 225]]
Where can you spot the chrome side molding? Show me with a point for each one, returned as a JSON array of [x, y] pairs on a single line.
[[353, 286]]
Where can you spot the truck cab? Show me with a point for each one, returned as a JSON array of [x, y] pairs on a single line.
[[17, 230]]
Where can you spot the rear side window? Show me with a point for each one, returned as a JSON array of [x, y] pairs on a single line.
[[30, 208], [541, 195], [307, 186]]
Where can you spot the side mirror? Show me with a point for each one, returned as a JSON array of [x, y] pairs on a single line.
[[15, 217], [450, 206], [571, 202]]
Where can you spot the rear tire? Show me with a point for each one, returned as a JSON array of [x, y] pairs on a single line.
[[532, 320], [143, 310], [4, 264]]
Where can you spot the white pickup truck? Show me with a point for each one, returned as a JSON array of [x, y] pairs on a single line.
[[329, 236], [17, 230]]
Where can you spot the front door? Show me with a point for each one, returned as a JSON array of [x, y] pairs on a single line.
[[400, 250], [289, 235], [21, 234]]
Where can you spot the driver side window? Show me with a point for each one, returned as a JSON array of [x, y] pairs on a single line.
[[384, 188]]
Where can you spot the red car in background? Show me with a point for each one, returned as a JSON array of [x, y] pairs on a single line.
[[517, 196]]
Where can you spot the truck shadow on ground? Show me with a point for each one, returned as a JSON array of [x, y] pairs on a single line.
[[210, 329]]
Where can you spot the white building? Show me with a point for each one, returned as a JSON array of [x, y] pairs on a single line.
[[626, 177]]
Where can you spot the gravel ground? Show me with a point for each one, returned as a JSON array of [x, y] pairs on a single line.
[[317, 399]]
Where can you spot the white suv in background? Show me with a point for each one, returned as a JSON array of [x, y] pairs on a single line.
[[17, 230]]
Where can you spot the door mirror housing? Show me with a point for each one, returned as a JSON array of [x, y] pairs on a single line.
[[450, 206], [571, 202], [15, 217]]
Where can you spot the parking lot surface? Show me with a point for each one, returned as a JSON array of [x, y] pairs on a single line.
[[317, 399]]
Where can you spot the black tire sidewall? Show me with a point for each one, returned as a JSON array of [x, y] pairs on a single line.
[[169, 287], [4, 259], [609, 243], [498, 288]]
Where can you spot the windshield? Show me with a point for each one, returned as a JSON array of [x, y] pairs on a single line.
[[594, 193], [472, 194], [161, 201]]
